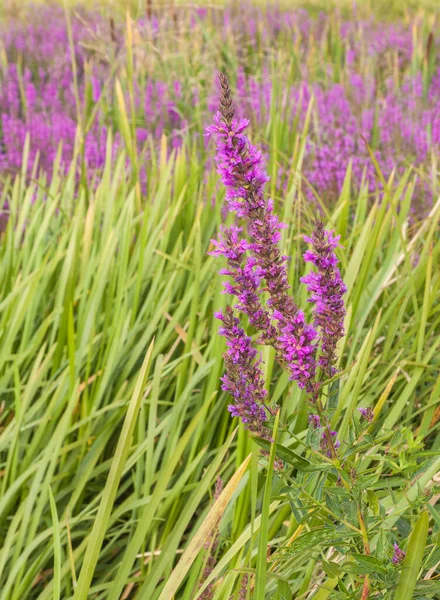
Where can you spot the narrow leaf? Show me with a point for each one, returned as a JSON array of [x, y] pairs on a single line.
[[413, 559], [196, 544], [111, 487]]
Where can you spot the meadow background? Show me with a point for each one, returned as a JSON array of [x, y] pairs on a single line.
[[115, 440]]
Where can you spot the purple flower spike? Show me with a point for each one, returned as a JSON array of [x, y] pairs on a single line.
[[326, 288], [296, 344], [399, 554], [257, 266], [244, 273], [281, 323], [243, 378], [314, 421], [328, 444]]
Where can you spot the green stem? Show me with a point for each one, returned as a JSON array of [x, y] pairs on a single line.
[[364, 532]]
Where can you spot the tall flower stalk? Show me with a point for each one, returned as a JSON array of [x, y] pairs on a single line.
[[258, 279], [280, 322]]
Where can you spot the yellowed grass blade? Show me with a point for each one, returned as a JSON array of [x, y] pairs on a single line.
[[196, 544]]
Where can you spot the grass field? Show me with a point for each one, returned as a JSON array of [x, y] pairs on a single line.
[[122, 473]]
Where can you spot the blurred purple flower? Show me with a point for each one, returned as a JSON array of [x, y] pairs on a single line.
[[367, 414], [398, 117], [328, 444], [399, 554], [314, 421]]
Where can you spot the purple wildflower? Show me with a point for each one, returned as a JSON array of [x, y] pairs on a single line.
[[243, 594], [328, 444], [256, 266], [326, 288], [296, 344], [242, 270], [282, 324], [367, 414], [243, 378], [314, 421], [399, 554]]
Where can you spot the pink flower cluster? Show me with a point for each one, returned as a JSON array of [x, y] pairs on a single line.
[[257, 266]]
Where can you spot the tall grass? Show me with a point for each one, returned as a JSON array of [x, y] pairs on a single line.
[[113, 426], [86, 287]]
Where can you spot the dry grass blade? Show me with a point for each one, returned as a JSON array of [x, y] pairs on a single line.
[[202, 534]]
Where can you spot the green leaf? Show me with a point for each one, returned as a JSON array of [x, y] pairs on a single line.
[[326, 588], [288, 456], [315, 438], [57, 548], [333, 395], [373, 502], [333, 569], [413, 559], [369, 563], [102, 518], [317, 538], [428, 587], [283, 590]]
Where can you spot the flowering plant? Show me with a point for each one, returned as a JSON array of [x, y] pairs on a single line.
[[334, 494], [257, 267]]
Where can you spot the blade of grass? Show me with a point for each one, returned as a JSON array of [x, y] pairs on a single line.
[[413, 559], [100, 525], [202, 534], [57, 548]]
